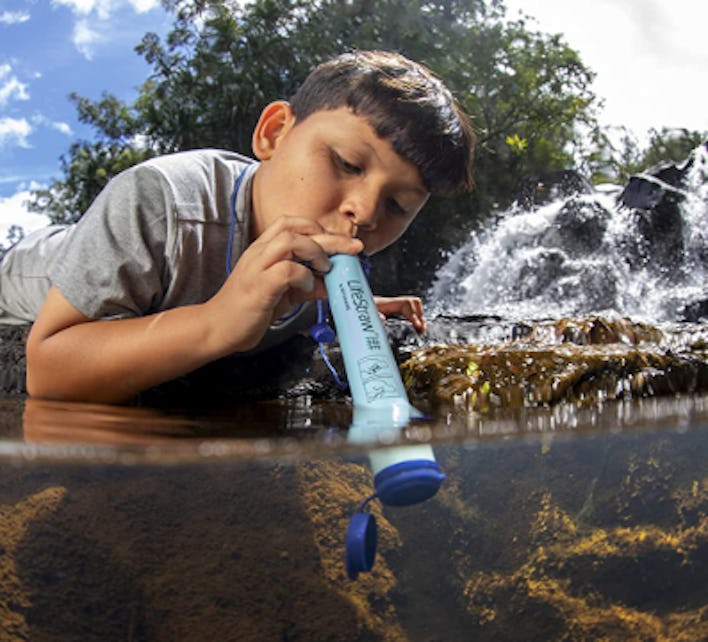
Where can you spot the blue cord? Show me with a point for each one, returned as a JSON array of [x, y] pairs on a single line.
[[230, 247], [322, 333]]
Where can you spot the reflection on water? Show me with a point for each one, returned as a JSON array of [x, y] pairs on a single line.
[[573, 525], [303, 426]]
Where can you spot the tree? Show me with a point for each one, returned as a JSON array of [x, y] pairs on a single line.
[[527, 92], [89, 165], [670, 145], [15, 233], [223, 61]]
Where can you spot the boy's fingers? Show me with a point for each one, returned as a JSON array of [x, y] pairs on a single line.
[[338, 244], [291, 246], [330, 242], [293, 275], [409, 307], [292, 224]]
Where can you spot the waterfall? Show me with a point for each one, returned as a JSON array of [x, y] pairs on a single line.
[[640, 252]]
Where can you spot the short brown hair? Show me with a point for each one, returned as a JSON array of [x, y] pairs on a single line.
[[405, 103]]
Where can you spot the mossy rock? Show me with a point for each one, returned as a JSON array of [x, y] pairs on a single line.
[[580, 360]]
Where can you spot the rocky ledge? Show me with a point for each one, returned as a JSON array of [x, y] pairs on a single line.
[[479, 363]]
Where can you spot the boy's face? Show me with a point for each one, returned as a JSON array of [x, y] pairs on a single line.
[[333, 168]]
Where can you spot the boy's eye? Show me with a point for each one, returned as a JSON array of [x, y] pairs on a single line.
[[395, 207], [346, 166]]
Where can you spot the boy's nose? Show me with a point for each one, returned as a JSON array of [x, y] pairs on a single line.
[[362, 214]]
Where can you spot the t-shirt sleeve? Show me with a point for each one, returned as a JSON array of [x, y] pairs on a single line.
[[113, 261]]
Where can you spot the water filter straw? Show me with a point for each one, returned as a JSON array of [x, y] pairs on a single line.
[[402, 475], [371, 369]]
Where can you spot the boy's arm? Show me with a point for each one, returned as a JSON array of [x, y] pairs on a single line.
[[73, 357]]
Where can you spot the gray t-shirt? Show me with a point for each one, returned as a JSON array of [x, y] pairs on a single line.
[[157, 237]]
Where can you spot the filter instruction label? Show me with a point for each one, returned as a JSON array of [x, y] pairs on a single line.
[[376, 370]]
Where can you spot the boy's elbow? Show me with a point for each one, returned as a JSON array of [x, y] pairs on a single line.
[[49, 371], [49, 352], [37, 373]]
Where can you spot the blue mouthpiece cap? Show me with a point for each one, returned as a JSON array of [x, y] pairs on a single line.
[[360, 544], [408, 482]]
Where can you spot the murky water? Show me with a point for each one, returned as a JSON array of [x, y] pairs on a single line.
[[134, 524]]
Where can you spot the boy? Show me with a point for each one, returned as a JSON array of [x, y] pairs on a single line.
[[194, 256]]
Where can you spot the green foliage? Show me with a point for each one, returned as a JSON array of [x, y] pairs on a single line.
[[669, 145], [616, 162], [87, 168], [527, 92]]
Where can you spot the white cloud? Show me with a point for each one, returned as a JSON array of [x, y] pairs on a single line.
[[85, 7], [104, 8], [62, 127], [13, 211], [143, 6], [648, 56], [93, 24], [85, 38], [14, 131], [13, 17], [10, 87]]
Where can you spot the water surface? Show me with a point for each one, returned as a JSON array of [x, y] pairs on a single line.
[[134, 524]]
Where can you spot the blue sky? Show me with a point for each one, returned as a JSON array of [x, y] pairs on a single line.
[[49, 48], [650, 57]]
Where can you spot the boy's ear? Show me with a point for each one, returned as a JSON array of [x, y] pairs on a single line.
[[275, 121]]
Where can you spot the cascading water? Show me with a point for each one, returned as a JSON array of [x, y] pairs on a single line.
[[641, 253]]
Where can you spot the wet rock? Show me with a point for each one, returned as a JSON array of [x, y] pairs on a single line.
[[480, 362], [597, 330], [579, 227], [12, 359], [655, 196], [584, 361], [294, 369], [696, 310]]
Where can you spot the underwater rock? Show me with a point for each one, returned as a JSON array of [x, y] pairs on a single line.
[[575, 546], [570, 567]]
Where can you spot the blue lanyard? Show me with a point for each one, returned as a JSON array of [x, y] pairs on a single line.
[[232, 231]]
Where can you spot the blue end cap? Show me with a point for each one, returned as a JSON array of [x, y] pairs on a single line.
[[360, 544], [322, 333], [408, 482]]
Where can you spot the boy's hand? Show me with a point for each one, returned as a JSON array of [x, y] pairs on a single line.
[[409, 307], [269, 278]]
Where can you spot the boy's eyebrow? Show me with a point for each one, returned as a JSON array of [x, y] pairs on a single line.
[[419, 189]]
